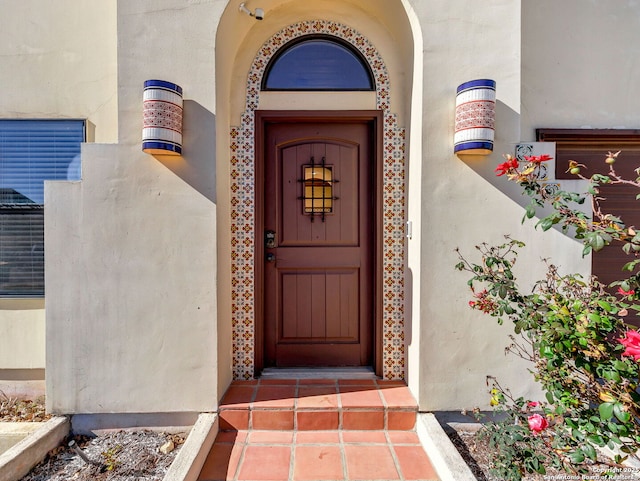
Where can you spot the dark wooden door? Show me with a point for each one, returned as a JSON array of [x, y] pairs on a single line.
[[318, 225]]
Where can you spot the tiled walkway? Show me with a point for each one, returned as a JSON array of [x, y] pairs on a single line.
[[317, 430]]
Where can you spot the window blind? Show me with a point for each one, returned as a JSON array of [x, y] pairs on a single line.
[[31, 151]]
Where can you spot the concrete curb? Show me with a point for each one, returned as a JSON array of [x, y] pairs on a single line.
[[18, 460], [444, 456], [193, 453]]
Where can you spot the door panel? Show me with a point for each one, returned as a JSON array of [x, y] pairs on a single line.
[[318, 285], [319, 306]]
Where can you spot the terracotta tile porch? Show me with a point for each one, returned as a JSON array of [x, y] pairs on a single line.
[[317, 429]]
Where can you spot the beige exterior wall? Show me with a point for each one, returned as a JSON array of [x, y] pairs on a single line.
[[138, 312], [462, 204], [581, 64], [58, 60], [22, 339], [571, 70], [131, 250]]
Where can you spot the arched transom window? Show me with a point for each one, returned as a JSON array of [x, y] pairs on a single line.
[[318, 62]]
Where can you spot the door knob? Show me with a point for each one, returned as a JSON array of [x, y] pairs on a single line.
[[271, 257]]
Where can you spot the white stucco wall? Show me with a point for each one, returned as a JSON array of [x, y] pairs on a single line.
[[131, 250], [57, 60]]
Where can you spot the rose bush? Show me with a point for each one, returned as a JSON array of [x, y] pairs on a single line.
[[572, 330]]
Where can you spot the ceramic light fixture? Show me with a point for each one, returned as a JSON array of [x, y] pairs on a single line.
[[475, 117], [162, 118]]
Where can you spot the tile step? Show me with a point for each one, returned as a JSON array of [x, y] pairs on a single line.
[[318, 404]]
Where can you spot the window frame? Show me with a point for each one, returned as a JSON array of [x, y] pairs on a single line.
[[29, 268]]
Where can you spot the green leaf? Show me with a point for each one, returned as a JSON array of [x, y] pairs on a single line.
[[598, 242], [589, 451], [605, 305], [530, 211], [577, 457], [619, 365], [606, 411], [620, 413], [596, 439], [546, 223]]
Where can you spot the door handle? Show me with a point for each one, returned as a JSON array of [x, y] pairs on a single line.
[[271, 257]]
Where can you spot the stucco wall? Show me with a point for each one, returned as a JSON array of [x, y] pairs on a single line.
[[575, 62], [131, 250], [581, 64], [463, 204], [22, 342], [138, 276], [57, 60]]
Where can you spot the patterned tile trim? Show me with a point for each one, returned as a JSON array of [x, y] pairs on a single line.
[[243, 206]]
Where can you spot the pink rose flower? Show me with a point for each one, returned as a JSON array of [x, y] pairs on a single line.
[[631, 342], [537, 423], [533, 404]]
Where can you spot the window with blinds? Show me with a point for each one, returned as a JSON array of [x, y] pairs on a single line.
[[31, 151]]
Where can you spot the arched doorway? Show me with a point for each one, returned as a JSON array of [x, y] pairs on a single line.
[[388, 331]]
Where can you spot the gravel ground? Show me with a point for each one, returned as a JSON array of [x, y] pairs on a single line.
[[125, 455], [114, 456]]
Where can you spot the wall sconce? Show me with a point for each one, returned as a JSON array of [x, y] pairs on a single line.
[[258, 15], [162, 118], [475, 117]]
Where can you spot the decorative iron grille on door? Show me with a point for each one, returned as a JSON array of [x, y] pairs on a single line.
[[318, 183]]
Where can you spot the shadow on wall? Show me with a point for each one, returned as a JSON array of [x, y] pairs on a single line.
[[508, 135], [197, 164]]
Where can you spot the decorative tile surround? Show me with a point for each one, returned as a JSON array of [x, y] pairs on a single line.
[[243, 207]]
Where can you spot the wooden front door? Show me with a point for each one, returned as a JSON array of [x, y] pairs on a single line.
[[318, 212]]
